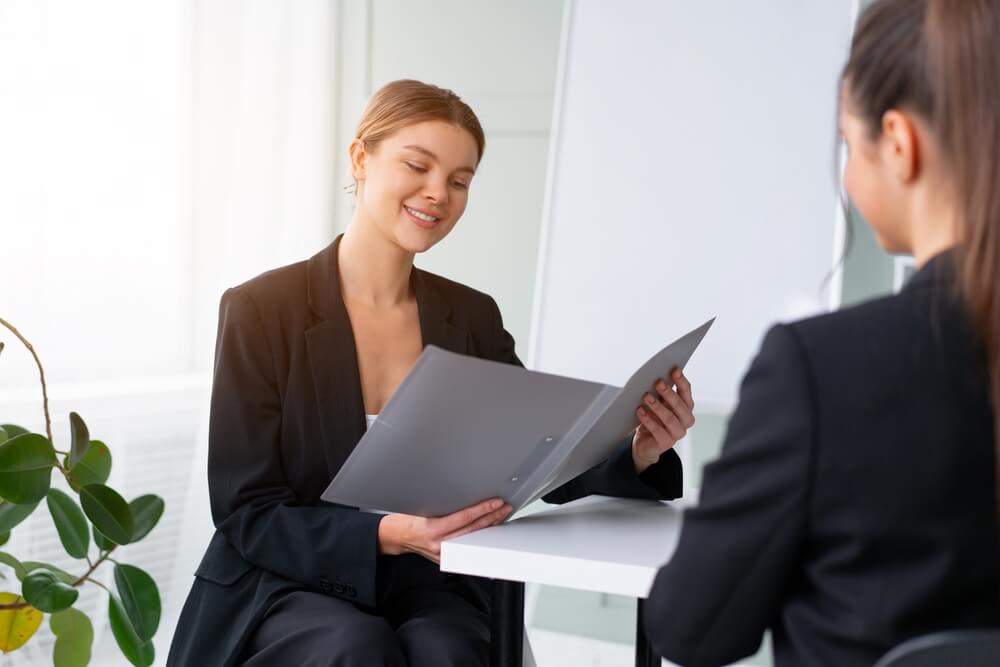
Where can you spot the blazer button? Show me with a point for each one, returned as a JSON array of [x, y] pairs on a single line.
[[338, 588], [325, 585], [351, 593]]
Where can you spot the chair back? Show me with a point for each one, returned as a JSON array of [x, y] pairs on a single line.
[[965, 648]]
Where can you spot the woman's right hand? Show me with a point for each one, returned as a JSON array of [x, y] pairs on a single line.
[[404, 533]]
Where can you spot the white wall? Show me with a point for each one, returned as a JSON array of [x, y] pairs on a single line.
[[693, 176], [94, 121]]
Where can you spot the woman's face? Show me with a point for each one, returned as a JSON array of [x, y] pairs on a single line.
[[415, 184], [870, 182]]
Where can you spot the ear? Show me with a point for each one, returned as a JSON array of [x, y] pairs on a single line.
[[900, 145], [358, 158]]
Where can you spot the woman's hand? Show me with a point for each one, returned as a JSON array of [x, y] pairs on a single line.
[[403, 533], [664, 418]]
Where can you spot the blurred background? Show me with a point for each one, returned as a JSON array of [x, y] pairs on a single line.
[[649, 164]]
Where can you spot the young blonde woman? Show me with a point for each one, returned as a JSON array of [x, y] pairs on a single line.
[[854, 505], [305, 354]]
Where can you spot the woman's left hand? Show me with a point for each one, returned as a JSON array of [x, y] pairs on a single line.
[[664, 418]]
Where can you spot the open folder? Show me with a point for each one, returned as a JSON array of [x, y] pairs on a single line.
[[460, 429]]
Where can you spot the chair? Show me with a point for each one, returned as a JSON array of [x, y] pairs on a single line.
[[968, 648]]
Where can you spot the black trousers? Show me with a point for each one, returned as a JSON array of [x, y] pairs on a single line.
[[426, 628]]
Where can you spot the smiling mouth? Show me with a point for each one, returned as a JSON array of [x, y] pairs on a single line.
[[421, 216]]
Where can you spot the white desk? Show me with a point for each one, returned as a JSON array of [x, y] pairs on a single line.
[[608, 545]]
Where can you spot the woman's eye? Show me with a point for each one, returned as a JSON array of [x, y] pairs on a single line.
[[416, 167], [460, 185]]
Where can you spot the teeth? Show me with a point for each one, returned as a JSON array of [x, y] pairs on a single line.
[[422, 216]]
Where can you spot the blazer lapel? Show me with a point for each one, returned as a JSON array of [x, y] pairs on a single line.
[[333, 360], [435, 325], [333, 357]]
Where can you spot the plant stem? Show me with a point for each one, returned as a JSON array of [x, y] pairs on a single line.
[[96, 582], [41, 374], [14, 606], [93, 567], [84, 577]]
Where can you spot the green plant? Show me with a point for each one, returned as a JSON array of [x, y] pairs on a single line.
[[27, 461]]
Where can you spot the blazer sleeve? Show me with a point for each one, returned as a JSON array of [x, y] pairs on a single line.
[[327, 548], [725, 584], [616, 476]]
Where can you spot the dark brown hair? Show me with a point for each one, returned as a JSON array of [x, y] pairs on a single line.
[[940, 60], [405, 102]]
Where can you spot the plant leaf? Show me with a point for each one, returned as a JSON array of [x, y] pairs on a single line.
[[11, 515], [103, 543], [3, 435], [26, 468], [3, 540], [7, 559], [140, 599], [70, 522], [45, 592], [62, 575], [13, 430], [93, 468], [74, 637], [146, 511], [80, 438], [17, 626], [108, 511], [136, 651]]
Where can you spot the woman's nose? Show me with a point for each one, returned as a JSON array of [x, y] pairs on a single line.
[[436, 192]]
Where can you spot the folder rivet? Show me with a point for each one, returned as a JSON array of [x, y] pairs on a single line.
[[549, 439], [514, 479]]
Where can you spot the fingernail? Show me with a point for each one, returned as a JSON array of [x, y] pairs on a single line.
[[649, 399], [661, 385], [495, 504], [641, 412]]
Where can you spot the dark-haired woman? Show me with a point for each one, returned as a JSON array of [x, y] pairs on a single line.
[[854, 504], [305, 354]]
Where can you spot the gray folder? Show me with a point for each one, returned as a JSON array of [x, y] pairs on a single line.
[[459, 430]]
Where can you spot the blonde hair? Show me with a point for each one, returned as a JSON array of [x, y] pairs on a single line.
[[405, 102]]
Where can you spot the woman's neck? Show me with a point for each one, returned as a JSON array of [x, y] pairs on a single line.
[[933, 229], [374, 271]]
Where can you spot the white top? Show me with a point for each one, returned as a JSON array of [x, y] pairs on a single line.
[[371, 419], [608, 545]]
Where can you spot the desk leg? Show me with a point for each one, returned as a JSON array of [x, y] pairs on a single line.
[[507, 631], [645, 655]]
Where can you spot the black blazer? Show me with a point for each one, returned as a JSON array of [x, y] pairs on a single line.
[[286, 412], [854, 504]]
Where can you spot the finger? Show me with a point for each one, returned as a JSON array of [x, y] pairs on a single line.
[[683, 387], [665, 416], [466, 516], [663, 441], [486, 521], [675, 403], [432, 554], [490, 519], [660, 435]]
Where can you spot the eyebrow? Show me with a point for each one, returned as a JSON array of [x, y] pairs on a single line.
[[430, 154]]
